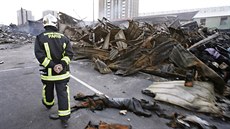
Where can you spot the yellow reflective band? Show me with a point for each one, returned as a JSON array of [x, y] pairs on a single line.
[[47, 50], [63, 112], [68, 94], [49, 71], [56, 77], [53, 35], [66, 59], [66, 112], [44, 97], [64, 46], [45, 62]]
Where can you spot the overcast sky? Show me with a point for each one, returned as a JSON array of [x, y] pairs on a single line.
[[83, 9]]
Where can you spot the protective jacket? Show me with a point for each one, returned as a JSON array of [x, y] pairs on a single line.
[[51, 48]]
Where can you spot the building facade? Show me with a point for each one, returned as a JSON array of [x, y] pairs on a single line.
[[55, 13], [216, 17], [212, 17], [23, 16], [118, 9]]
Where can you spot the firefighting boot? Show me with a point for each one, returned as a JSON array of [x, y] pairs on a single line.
[[64, 123], [54, 116]]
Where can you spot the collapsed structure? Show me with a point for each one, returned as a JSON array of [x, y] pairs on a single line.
[[8, 35], [168, 49]]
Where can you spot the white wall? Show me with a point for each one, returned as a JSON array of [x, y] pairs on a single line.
[[214, 22]]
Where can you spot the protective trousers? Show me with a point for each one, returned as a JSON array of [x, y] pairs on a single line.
[[62, 90]]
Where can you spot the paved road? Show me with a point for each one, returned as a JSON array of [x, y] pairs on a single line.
[[20, 95]]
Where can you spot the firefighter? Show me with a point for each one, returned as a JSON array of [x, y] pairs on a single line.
[[54, 53]]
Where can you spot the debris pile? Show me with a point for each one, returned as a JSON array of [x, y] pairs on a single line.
[[154, 49], [9, 36], [189, 52], [73, 28], [179, 121], [104, 125], [200, 98]]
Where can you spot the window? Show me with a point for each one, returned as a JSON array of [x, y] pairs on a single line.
[[223, 20], [202, 21]]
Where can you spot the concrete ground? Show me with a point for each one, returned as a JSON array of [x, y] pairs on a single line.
[[20, 95]]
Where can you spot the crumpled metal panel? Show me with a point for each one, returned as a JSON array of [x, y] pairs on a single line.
[[133, 31], [121, 37], [184, 59], [157, 56], [106, 41], [100, 32], [101, 66], [113, 54], [197, 98], [91, 52]]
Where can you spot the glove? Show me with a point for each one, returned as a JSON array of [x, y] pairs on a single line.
[[58, 68]]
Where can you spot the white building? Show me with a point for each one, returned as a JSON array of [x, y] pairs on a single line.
[[118, 9], [213, 17], [23, 16], [216, 17], [55, 13]]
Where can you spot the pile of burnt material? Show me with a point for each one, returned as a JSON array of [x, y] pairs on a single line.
[[167, 50], [9, 36]]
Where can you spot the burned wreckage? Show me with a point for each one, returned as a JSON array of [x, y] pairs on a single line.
[[194, 58], [10, 38], [163, 50]]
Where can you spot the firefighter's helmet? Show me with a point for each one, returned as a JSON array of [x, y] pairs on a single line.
[[50, 20]]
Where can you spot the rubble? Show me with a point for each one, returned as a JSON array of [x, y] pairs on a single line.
[[184, 59], [149, 48], [170, 50], [180, 121], [142, 47], [199, 98], [156, 49], [9, 36], [104, 125]]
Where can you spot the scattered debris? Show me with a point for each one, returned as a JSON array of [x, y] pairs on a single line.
[[123, 112], [9, 36], [185, 60], [159, 49], [189, 52], [179, 121], [104, 125], [199, 98]]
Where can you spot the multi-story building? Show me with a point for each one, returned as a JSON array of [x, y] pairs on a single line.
[[23, 16], [118, 9], [55, 13], [216, 17], [212, 17]]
